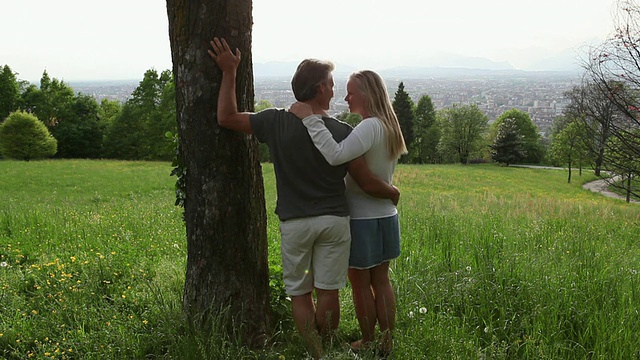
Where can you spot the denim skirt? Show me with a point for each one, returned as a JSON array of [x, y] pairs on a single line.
[[374, 241]]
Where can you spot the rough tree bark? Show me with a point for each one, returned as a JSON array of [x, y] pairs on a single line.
[[224, 208]]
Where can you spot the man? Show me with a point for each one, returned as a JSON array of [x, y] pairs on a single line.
[[311, 205]]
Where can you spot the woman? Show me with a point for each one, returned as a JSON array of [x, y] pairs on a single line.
[[375, 232]]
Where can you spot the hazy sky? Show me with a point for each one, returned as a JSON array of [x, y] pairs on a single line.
[[88, 40]]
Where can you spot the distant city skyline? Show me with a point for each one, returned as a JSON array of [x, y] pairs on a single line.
[[539, 94], [76, 40]]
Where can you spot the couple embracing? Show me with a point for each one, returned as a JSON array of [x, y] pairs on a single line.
[[336, 204]]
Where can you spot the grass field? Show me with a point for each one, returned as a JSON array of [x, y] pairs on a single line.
[[497, 263]]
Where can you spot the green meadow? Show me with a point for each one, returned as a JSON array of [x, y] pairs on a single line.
[[497, 263]]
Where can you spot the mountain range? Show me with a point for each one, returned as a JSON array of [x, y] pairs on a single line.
[[441, 66]]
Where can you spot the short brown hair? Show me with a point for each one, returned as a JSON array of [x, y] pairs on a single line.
[[309, 74]]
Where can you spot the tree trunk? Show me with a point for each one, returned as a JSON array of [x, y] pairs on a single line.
[[599, 160], [224, 208], [580, 168]]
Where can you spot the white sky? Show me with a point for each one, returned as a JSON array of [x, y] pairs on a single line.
[[86, 40]]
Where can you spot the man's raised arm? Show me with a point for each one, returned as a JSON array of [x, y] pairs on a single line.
[[228, 115]]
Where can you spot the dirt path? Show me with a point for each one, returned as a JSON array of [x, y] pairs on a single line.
[[602, 187], [599, 186]]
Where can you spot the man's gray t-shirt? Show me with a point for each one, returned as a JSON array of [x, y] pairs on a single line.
[[307, 185]]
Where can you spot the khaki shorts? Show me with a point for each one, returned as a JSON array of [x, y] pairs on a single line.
[[315, 253]]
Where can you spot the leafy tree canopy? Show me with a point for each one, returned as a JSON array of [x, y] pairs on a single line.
[[526, 128], [403, 107], [263, 105], [508, 147], [350, 118], [9, 92], [24, 137], [426, 133], [462, 129], [78, 129]]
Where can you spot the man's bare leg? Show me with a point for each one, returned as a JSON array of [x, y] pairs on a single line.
[[328, 312], [304, 315]]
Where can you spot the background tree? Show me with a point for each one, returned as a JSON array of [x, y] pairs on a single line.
[[567, 146], [53, 101], [161, 120], [350, 118], [614, 69], [508, 147], [24, 137], [71, 119], [403, 107], [124, 136], [558, 125], [224, 208], [624, 165], [9, 92], [109, 110], [463, 128], [426, 134], [526, 128], [138, 131], [30, 98], [144, 103], [588, 104], [77, 129]]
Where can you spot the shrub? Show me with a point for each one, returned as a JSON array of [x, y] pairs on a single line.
[[24, 137]]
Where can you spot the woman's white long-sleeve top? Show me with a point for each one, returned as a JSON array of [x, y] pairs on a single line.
[[367, 138]]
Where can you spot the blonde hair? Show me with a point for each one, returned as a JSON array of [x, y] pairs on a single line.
[[378, 104]]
